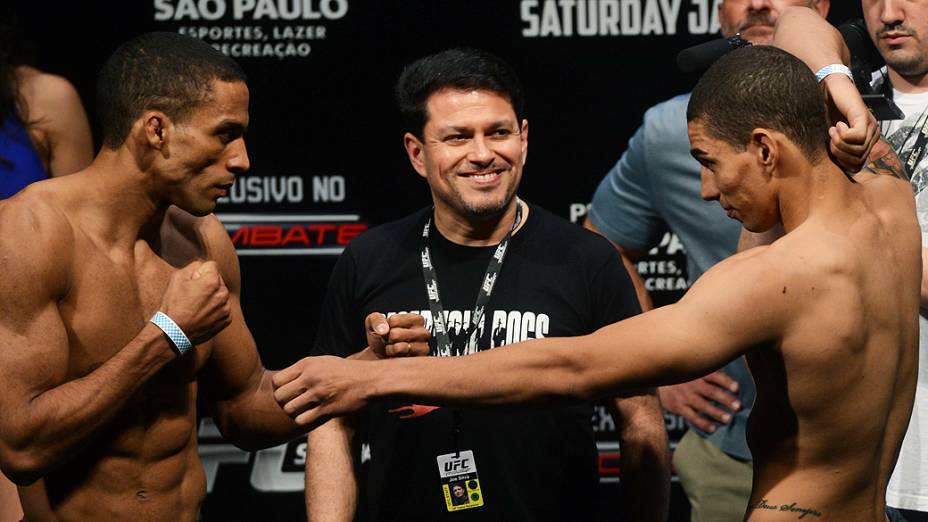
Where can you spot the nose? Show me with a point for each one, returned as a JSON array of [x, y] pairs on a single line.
[[758, 5], [709, 191], [238, 159], [480, 152], [891, 13]]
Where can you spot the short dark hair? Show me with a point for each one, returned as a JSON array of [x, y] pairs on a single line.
[[761, 86], [458, 69], [169, 72]]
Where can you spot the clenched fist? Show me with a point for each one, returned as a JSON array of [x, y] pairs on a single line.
[[198, 301], [400, 335]]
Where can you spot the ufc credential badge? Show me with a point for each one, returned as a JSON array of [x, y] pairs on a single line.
[[459, 481]]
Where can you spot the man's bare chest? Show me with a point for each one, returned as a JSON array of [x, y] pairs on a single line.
[[110, 299]]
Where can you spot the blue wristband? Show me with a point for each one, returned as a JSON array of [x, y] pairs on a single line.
[[174, 333]]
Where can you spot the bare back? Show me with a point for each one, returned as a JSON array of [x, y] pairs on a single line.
[[144, 461], [835, 393]]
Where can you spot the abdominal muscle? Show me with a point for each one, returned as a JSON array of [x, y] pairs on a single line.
[[144, 466]]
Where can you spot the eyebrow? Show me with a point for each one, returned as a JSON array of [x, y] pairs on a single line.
[[494, 125], [231, 125], [698, 153]]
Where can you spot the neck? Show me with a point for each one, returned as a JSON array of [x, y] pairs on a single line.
[[122, 202], [909, 84], [809, 190], [477, 231]]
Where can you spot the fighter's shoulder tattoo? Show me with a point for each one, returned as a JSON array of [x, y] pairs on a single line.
[[887, 163]]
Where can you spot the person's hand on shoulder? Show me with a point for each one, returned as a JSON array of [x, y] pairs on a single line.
[[854, 130]]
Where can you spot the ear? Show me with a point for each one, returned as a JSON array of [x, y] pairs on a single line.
[[821, 6], [523, 137], [155, 129], [766, 149], [415, 149]]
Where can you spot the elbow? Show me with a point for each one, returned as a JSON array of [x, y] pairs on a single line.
[[235, 436], [250, 445], [245, 439], [24, 458], [23, 467]]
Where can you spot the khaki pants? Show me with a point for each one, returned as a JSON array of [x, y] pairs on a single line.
[[717, 485]]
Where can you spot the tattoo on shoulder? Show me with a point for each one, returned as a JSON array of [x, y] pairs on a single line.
[[801, 512], [888, 165]]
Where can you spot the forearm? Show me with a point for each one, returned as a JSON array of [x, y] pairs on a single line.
[[50, 426], [805, 34], [364, 355], [579, 368], [644, 297], [254, 420], [331, 487], [644, 462], [629, 257], [535, 372]]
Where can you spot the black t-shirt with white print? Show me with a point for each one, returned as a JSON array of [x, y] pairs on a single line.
[[534, 463]]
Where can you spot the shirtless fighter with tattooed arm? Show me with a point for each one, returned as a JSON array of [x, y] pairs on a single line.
[[99, 404], [827, 315]]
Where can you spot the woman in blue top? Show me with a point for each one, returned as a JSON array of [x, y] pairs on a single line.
[[43, 128]]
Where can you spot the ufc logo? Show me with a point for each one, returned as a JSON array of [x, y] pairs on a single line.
[[455, 465]]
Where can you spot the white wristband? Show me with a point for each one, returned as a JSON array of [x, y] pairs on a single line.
[[174, 333], [832, 69]]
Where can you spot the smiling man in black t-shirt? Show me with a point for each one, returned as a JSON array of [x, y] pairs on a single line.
[[485, 270]]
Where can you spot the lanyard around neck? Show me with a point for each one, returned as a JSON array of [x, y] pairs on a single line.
[[443, 341]]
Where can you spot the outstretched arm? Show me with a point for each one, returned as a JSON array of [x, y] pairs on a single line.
[[699, 334], [235, 380]]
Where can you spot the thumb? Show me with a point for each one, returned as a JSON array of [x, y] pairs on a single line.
[[377, 324], [377, 329]]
